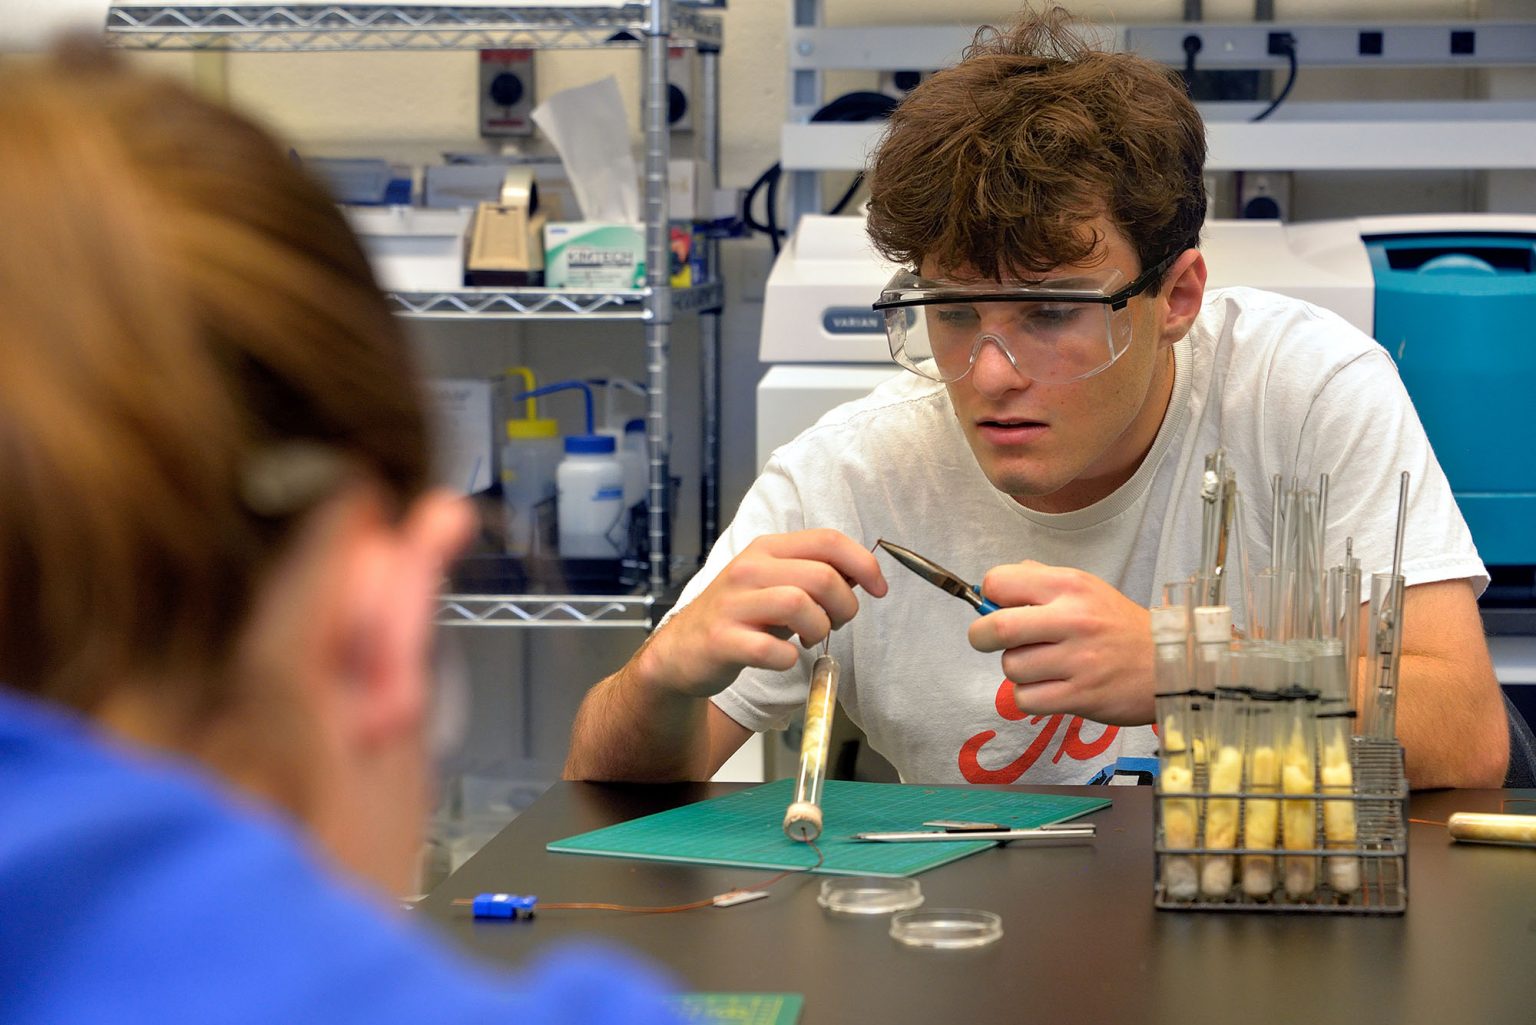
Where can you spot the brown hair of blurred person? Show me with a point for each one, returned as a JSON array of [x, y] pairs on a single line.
[[216, 535], [999, 162]]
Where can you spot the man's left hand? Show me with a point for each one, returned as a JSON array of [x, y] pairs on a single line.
[[1071, 643]]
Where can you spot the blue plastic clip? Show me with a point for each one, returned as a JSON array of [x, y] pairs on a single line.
[[504, 905]]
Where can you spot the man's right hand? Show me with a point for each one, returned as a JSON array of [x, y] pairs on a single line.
[[781, 586]]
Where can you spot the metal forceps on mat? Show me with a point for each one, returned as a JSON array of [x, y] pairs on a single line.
[[939, 577]]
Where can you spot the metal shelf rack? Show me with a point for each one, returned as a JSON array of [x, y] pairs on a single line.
[[546, 303], [332, 27], [653, 26], [466, 610]]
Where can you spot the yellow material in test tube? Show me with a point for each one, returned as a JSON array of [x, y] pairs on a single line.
[[1261, 821], [1339, 816], [1226, 777], [1180, 815], [802, 821], [1299, 816]]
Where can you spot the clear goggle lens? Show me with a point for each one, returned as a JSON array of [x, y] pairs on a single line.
[[1052, 332], [1045, 341]]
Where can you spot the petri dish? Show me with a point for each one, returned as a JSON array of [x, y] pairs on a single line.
[[947, 928], [869, 895]]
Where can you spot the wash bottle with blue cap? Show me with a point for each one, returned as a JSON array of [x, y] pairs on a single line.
[[629, 435], [589, 483]]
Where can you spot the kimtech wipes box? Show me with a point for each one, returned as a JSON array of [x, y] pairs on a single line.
[[594, 255]]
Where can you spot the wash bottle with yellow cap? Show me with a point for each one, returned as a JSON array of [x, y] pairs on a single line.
[[529, 456]]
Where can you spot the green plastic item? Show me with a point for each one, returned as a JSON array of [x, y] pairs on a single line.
[[745, 828]]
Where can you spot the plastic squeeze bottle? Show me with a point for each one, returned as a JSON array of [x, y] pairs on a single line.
[[530, 455], [590, 482]]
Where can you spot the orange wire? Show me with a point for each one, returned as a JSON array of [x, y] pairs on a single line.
[[670, 908]]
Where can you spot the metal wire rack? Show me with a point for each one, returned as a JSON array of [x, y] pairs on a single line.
[[331, 27], [1379, 852]]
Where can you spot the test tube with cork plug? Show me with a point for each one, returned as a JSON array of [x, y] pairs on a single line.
[[1176, 774], [1224, 740], [802, 820]]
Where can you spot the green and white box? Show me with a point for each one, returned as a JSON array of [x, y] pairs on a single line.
[[594, 255]]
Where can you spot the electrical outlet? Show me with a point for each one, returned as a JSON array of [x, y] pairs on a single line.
[[1264, 195], [506, 92], [682, 63], [899, 83]]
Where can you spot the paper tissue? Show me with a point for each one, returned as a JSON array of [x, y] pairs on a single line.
[[606, 248]]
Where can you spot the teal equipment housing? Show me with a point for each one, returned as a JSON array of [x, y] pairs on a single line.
[[1457, 311]]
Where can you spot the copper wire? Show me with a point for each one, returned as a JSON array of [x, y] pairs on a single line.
[[668, 908]]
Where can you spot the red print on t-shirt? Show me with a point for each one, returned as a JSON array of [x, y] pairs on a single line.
[[1072, 743]]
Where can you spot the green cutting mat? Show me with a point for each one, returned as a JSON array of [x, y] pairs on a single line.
[[740, 1008], [746, 827]]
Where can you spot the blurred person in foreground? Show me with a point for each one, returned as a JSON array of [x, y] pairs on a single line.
[[218, 559]]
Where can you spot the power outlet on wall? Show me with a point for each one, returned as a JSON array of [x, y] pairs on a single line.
[[682, 73], [899, 83], [506, 92], [1264, 195]]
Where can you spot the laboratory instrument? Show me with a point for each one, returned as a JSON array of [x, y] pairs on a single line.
[[946, 928], [1176, 757], [1314, 817], [869, 895], [1487, 827], [940, 835], [802, 820], [938, 576], [1387, 633]]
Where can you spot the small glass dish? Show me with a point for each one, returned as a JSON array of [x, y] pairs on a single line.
[[947, 928], [869, 895]]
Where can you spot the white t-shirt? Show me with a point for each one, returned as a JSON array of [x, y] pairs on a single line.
[[1285, 387]]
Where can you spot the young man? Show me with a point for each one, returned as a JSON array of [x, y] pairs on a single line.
[[1070, 373], [218, 564]]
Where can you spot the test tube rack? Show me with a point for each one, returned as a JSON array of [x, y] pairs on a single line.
[[1380, 799]]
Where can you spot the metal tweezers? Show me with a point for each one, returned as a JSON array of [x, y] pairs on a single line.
[[938, 576]]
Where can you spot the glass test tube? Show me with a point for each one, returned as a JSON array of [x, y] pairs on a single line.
[[1298, 777], [1271, 619], [1180, 594], [1261, 814], [802, 821], [1335, 722], [1339, 830], [1176, 768], [1223, 744], [1385, 645], [1342, 620]]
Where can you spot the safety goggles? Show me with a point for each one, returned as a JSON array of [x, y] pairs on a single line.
[[1051, 331]]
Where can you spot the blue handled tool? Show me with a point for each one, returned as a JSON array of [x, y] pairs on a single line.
[[938, 576]]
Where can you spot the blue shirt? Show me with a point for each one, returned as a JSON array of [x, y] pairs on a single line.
[[131, 890]]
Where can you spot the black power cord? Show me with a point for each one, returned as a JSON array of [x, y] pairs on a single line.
[[1236, 85], [854, 106], [1192, 46], [1281, 43]]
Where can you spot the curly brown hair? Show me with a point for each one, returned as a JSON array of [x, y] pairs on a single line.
[[999, 162]]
